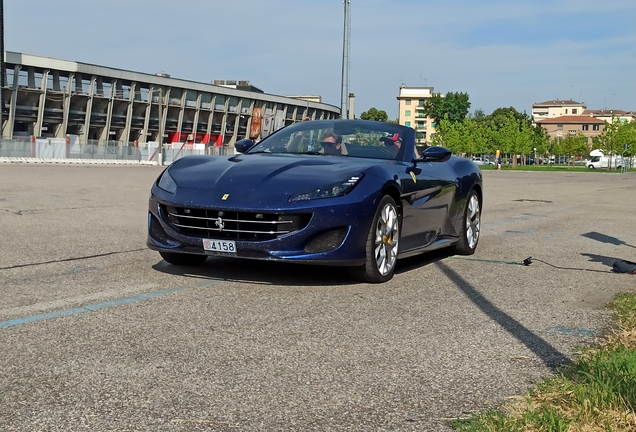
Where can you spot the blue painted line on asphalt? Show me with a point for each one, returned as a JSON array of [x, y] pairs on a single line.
[[89, 308], [570, 331]]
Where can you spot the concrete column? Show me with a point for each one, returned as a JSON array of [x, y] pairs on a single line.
[[211, 116], [89, 107], [294, 114], [37, 129], [66, 106], [129, 113], [181, 112], [109, 113], [237, 121], [144, 135], [164, 114], [7, 127], [196, 116], [248, 126], [224, 121]]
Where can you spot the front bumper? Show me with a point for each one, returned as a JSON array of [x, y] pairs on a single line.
[[336, 233]]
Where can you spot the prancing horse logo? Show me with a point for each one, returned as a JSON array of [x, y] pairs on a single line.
[[219, 224], [226, 196]]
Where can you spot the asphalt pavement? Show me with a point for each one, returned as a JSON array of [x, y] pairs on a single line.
[[98, 333]]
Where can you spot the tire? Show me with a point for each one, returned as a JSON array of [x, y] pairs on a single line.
[[471, 225], [382, 244], [590, 166], [181, 259]]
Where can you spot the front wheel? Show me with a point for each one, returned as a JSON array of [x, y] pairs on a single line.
[[183, 259], [471, 225], [382, 244]]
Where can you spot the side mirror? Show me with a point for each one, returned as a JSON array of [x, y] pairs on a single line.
[[244, 145], [434, 154]]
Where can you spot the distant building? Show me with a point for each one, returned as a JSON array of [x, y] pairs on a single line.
[[411, 111], [239, 85], [52, 98], [556, 108], [309, 98], [562, 126], [560, 118], [608, 115]]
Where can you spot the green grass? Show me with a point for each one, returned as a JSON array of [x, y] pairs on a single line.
[[595, 393]]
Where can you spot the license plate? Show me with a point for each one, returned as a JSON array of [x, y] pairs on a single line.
[[221, 246]]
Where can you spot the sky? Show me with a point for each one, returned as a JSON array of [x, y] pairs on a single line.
[[503, 53]]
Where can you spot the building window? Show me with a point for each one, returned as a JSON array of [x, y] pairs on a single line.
[[596, 127], [566, 110], [420, 124], [574, 111], [407, 102], [407, 124], [420, 103], [559, 127], [586, 127], [407, 113]]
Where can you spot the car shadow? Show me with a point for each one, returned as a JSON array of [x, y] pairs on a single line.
[[261, 272], [405, 265], [281, 273], [277, 273]]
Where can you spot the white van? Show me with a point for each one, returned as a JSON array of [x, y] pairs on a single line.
[[600, 160]]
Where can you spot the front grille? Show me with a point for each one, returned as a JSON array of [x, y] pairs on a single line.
[[232, 225]]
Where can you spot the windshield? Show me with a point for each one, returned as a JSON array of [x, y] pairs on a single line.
[[376, 140]]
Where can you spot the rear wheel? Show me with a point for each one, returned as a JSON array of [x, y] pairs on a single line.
[[469, 237], [183, 259], [382, 244]]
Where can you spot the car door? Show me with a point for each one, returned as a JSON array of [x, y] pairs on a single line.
[[428, 190]]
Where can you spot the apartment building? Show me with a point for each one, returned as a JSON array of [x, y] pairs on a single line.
[[411, 112], [562, 126], [609, 115], [556, 108], [564, 117]]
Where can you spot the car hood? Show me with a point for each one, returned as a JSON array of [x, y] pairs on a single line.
[[262, 174]]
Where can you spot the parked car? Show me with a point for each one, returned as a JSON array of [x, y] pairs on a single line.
[[329, 192], [482, 161]]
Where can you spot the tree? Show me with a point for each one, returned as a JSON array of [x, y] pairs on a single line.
[[574, 145], [375, 114], [453, 105], [478, 115], [609, 139]]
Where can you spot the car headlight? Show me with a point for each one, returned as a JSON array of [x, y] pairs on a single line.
[[329, 191], [167, 183]]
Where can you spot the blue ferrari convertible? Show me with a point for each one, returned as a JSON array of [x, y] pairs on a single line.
[[331, 192]]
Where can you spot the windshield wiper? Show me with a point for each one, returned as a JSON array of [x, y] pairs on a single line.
[[310, 153]]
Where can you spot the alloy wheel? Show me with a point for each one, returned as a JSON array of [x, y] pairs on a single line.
[[473, 216], [386, 239]]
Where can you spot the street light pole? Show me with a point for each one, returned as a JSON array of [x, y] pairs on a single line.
[[160, 149], [2, 65], [345, 62]]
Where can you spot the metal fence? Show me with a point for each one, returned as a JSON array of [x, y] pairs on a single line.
[[61, 149]]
